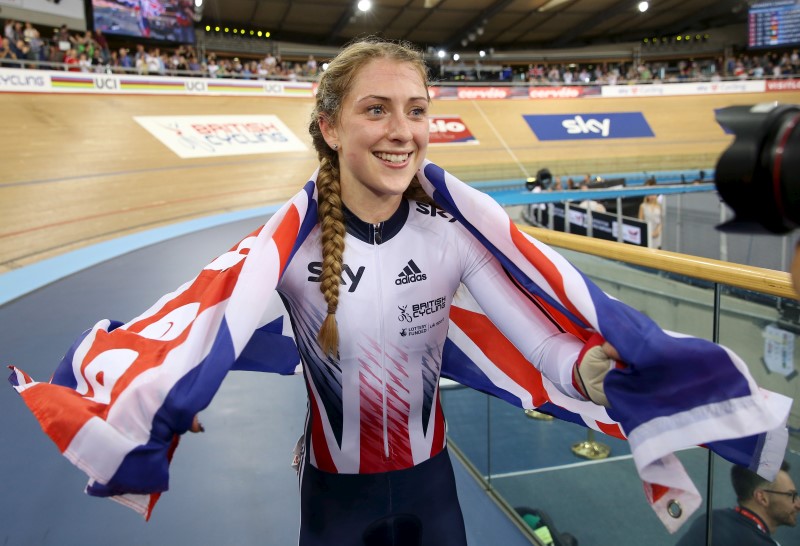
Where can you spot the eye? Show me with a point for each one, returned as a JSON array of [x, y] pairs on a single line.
[[419, 112], [376, 109]]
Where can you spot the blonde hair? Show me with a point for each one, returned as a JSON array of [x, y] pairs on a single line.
[[334, 85]]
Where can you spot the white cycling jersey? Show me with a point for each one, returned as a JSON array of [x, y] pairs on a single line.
[[375, 407]]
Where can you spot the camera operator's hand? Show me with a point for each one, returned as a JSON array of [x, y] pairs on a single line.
[[597, 358]]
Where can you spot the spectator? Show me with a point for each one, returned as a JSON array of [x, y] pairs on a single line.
[[101, 43], [126, 62], [71, 60], [590, 204], [84, 62], [762, 507], [311, 66], [7, 55]]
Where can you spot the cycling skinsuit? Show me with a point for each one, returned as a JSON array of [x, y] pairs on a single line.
[[375, 407]]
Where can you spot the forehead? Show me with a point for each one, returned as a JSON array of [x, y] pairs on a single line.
[[388, 78], [784, 481]]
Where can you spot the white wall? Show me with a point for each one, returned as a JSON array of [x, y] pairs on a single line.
[[46, 12]]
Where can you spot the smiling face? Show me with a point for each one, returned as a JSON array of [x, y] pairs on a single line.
[[381, 136]]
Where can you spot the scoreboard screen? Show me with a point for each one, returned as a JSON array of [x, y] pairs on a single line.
[[774, 23]]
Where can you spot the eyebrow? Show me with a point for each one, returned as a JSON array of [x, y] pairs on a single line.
[[387, 99]]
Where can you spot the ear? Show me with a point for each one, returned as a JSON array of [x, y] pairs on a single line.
[[329, 132], [761, 497]]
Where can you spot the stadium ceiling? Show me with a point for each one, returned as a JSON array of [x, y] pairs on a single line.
[[504, 25]]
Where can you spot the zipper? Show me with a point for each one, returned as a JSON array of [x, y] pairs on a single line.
[[377, 238]]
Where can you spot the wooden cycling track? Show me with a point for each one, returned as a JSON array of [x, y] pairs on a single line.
[[76, 169]]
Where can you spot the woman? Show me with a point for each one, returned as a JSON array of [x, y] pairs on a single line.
[[369, 292], [650, 212]]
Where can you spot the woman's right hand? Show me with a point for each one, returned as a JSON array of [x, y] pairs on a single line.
[[197, 426]]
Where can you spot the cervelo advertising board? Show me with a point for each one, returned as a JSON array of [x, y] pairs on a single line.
[[513, 92], [212, 136], [589, 126], [45, 81], [449, 130]]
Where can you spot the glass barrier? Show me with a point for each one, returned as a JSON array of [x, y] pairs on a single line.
[[587, 482]]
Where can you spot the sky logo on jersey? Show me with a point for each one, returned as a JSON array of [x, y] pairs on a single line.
[[589, 126], [410, 273], [350, 279]]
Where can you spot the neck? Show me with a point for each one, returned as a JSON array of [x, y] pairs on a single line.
[[755, 510], [375, 211]]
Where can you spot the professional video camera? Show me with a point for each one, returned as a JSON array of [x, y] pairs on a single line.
[[758, 176], [543, 179]]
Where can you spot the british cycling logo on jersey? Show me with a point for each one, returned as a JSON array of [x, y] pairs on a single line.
[[420, 310], [410, 273], [430, 210]]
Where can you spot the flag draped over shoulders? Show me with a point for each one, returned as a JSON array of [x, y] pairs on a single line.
[[123, 393]]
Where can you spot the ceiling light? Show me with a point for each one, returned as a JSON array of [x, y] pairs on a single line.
[[364, 5], [551, 4], [643, 6]]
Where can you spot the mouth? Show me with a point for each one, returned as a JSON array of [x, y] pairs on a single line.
[[394, 159]]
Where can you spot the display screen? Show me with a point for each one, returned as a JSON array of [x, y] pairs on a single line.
[[774, 24], [165, 20]]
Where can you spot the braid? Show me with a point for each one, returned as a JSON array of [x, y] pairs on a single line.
[[416, 193], [333, 231]]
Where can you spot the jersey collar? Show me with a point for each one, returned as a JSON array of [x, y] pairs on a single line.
[[381, 232]]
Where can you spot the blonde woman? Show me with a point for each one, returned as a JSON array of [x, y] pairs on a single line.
[[650, 211]]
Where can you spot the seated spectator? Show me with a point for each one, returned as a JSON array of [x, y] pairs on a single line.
[[762, 507], [590, 204]]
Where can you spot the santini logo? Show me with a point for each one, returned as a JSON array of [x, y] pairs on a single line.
[[410, 273], [580, 126]]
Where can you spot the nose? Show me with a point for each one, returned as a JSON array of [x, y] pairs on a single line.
[[399, 128]]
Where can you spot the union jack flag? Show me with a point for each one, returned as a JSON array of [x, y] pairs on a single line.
[[119, 400]]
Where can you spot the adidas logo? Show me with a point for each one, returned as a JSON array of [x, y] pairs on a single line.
[[410, 273]]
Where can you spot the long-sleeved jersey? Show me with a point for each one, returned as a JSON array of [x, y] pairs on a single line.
[[375, 407]]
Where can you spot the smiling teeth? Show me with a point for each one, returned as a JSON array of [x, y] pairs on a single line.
[[392, 158]]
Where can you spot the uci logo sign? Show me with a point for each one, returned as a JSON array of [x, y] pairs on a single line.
[[194, 86], [106, 83]]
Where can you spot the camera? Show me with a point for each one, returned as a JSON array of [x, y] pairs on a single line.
[[543, 179], [756, 175]]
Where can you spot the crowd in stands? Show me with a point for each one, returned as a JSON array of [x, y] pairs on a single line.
[[89, 51]]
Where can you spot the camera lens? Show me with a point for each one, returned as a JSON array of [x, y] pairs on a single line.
[[754, 176]]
